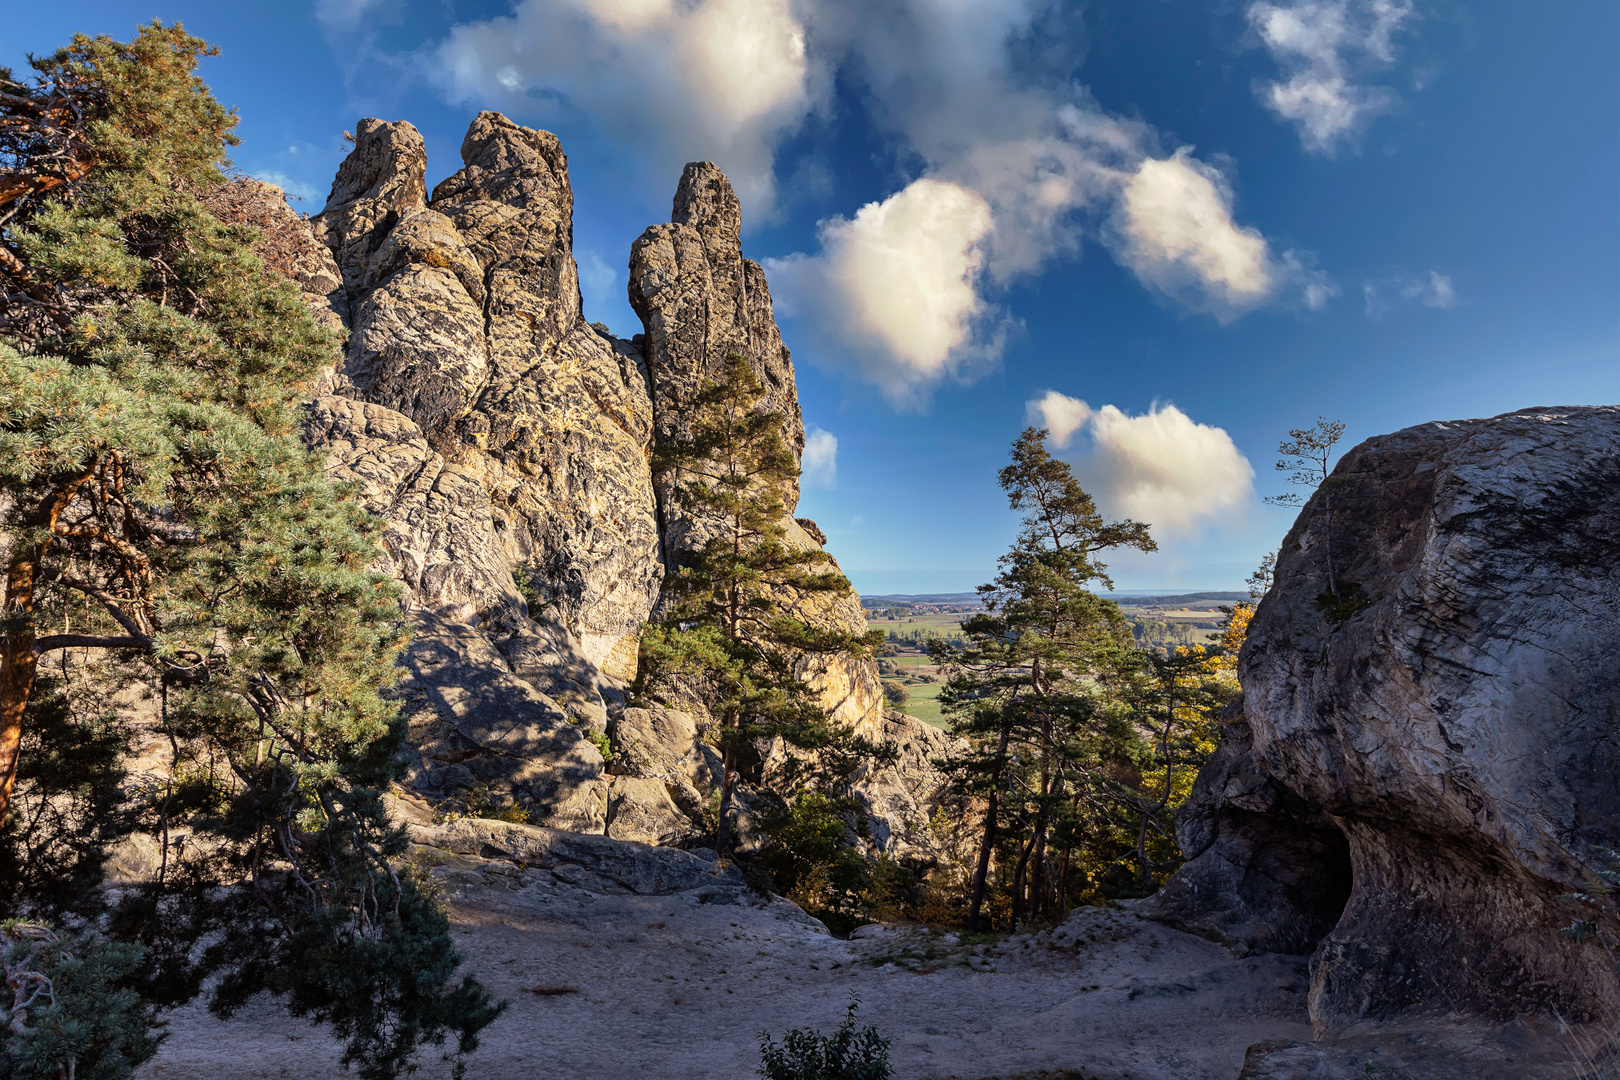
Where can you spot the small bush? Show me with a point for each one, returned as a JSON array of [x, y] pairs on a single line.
[[846, 1054]]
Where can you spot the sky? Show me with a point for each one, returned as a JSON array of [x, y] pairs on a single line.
[[1169, 231]]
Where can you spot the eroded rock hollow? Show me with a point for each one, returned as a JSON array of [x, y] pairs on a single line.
[[1427, 763]]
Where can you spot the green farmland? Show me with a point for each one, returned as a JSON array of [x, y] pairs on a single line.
[[924, 702]]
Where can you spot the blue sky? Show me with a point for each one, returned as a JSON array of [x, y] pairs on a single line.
[[1172, 229]]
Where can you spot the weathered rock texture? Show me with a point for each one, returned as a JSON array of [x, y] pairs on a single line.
[[700, 301], [1457, 720], [507, 445]]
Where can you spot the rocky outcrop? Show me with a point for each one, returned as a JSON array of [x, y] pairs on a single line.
[[700, 301], [507, 444], [1454, 712], [465, 319]]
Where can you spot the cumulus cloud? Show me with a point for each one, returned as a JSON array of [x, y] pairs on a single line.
[[1325, 48], [819, 464], [1013, 164], [1046, 162], [902, 278], [1161, 467], [1432, 290], [722, 80], [1060, 414], [1177, 234]]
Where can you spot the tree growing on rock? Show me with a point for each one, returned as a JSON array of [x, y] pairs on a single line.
[[730, 627], [165, 523], [1304, 459]]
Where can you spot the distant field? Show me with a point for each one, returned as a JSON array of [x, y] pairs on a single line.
[[924, 703], [945, 624]]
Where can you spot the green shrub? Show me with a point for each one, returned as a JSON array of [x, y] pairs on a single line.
[[84, 1020], [846, 1054]]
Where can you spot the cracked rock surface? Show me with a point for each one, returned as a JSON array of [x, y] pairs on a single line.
[[1454, 716], [507, 445]]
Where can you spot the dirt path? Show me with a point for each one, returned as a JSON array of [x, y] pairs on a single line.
[[679, 986]]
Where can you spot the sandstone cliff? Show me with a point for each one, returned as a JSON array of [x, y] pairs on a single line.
[[1426, 767], [507, 445]]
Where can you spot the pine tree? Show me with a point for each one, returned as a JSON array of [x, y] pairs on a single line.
[[728, 627], [1028, 690], [1174, 699], [161, 513]]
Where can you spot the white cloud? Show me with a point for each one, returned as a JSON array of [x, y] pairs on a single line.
[[1432, 290], [1014, 163], [722, 80], [1435, 291], [1161, 467], [897, 285], [820, 460], [1177, 234], [1324, 47], [1050, 166], [1060, 414]]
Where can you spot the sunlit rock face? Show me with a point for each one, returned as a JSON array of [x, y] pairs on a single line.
[[1454, 715], [507, 445]]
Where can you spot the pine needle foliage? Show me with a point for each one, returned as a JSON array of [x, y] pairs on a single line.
[[164, 521], [1031, 688], [730, 626], [75, 1013]]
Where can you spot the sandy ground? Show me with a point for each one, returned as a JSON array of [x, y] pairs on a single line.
[[680, 986]]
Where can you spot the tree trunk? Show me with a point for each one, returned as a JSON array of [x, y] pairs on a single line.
[[1141, 848], [1037, 872], [18, 665], [1019, 879], [728, 780], [18, 661], [981, 873]]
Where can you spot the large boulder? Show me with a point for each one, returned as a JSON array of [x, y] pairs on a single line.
[[1267, 871], [1454, 712]]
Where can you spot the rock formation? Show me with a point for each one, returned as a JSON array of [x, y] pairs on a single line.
[[1447, 728], [507, 444]]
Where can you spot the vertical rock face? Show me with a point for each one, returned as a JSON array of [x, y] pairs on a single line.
[[1454, 714], [504, 440], [466, 320], [699, 301], [507, 445]]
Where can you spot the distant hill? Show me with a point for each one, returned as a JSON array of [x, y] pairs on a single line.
[[904, 599], [1179, 599], [1133, 599]]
